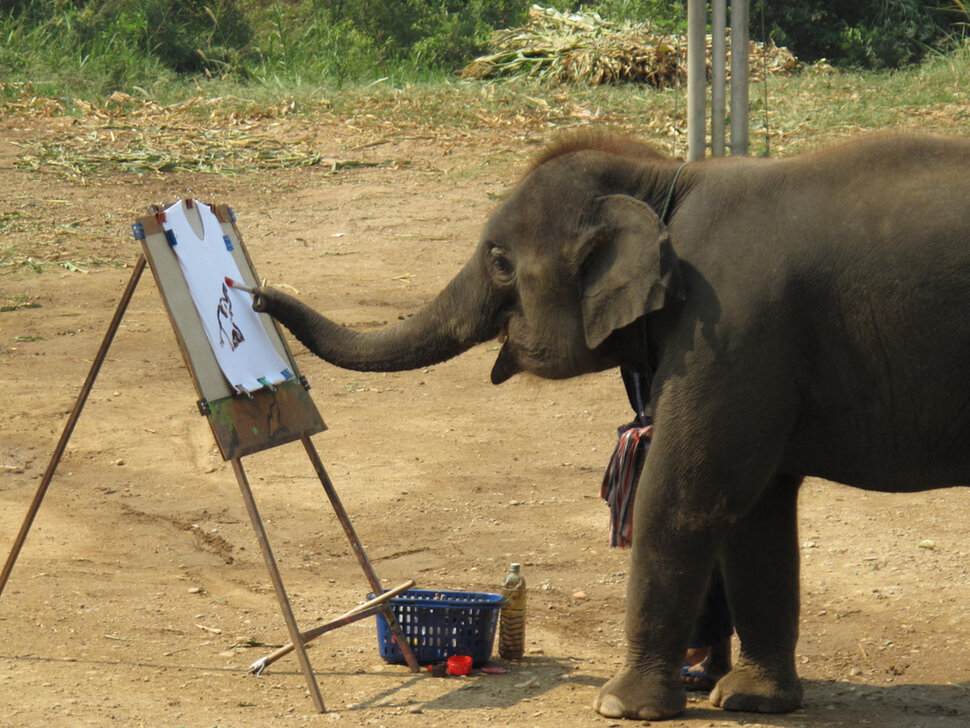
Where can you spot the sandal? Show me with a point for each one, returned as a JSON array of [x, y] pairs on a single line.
[[696, 679]]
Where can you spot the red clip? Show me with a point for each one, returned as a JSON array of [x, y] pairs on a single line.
[[188, 203]]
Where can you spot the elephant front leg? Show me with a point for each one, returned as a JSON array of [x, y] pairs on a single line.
[[670, 571], [708, 468], [761, 577]]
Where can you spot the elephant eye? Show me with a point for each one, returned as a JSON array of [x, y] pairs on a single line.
[[502, 266]]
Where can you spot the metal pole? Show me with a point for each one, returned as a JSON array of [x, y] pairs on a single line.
[[72, 420], [696, 77], [739, 77], [718, 75]]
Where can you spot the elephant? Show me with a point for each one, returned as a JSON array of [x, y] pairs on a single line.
[[802, 316]]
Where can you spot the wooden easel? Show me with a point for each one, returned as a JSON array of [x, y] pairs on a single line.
[[241, 425]]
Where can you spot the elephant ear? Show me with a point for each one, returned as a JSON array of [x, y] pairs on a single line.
[[629, 268]]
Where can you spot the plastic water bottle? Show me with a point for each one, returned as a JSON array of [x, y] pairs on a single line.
[[511, 631]]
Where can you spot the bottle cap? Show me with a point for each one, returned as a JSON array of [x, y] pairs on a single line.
[[459, 665]]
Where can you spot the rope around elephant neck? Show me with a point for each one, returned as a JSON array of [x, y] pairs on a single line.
[[670, 194]]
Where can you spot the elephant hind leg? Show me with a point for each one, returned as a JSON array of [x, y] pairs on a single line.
[[760, 562]]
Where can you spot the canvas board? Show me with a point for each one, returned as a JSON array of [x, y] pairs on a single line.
[[242, 423]]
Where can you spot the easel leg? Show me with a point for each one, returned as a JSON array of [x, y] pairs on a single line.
[[375, 584], [274, 574], [72, 420]]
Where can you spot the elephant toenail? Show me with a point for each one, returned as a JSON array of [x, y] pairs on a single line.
[[611, 707]]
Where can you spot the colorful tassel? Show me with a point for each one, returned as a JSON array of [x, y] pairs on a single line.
[[620, 482]]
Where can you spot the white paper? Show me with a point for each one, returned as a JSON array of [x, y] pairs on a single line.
[[245, 354]]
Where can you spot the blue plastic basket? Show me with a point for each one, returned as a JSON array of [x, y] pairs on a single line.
[[439, 624]]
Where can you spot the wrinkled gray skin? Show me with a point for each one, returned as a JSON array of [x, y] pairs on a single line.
[[806, 316]]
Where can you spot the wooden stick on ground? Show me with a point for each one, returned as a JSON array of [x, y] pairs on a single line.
[[361, 611]]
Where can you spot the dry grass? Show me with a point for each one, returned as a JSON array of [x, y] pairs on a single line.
[[198, 135], [583, 48]]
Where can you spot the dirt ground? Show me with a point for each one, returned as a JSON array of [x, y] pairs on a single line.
[[141, 589]]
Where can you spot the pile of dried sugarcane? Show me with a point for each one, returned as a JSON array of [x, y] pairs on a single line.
[[582, 47]]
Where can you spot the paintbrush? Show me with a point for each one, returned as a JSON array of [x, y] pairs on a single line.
[[233, 284]]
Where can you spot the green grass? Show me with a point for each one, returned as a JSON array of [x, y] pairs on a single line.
[[803, 110], [259, 55], [263, 50], [807, 109]]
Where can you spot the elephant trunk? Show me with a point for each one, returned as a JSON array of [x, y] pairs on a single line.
[[465, 313]]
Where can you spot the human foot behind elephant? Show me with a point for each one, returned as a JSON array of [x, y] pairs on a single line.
[[708, 657], [797, 316]]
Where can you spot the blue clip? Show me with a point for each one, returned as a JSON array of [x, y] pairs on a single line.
[[287, 374], [138, 230], [232, 215], [170, 236], [228, 242]]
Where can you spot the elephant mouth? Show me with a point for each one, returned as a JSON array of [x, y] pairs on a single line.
[[505, 365]]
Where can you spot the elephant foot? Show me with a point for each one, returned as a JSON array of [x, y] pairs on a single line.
[[751, 689], [631, 694]]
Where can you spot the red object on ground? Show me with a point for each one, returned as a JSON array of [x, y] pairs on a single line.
[[459, 665]]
